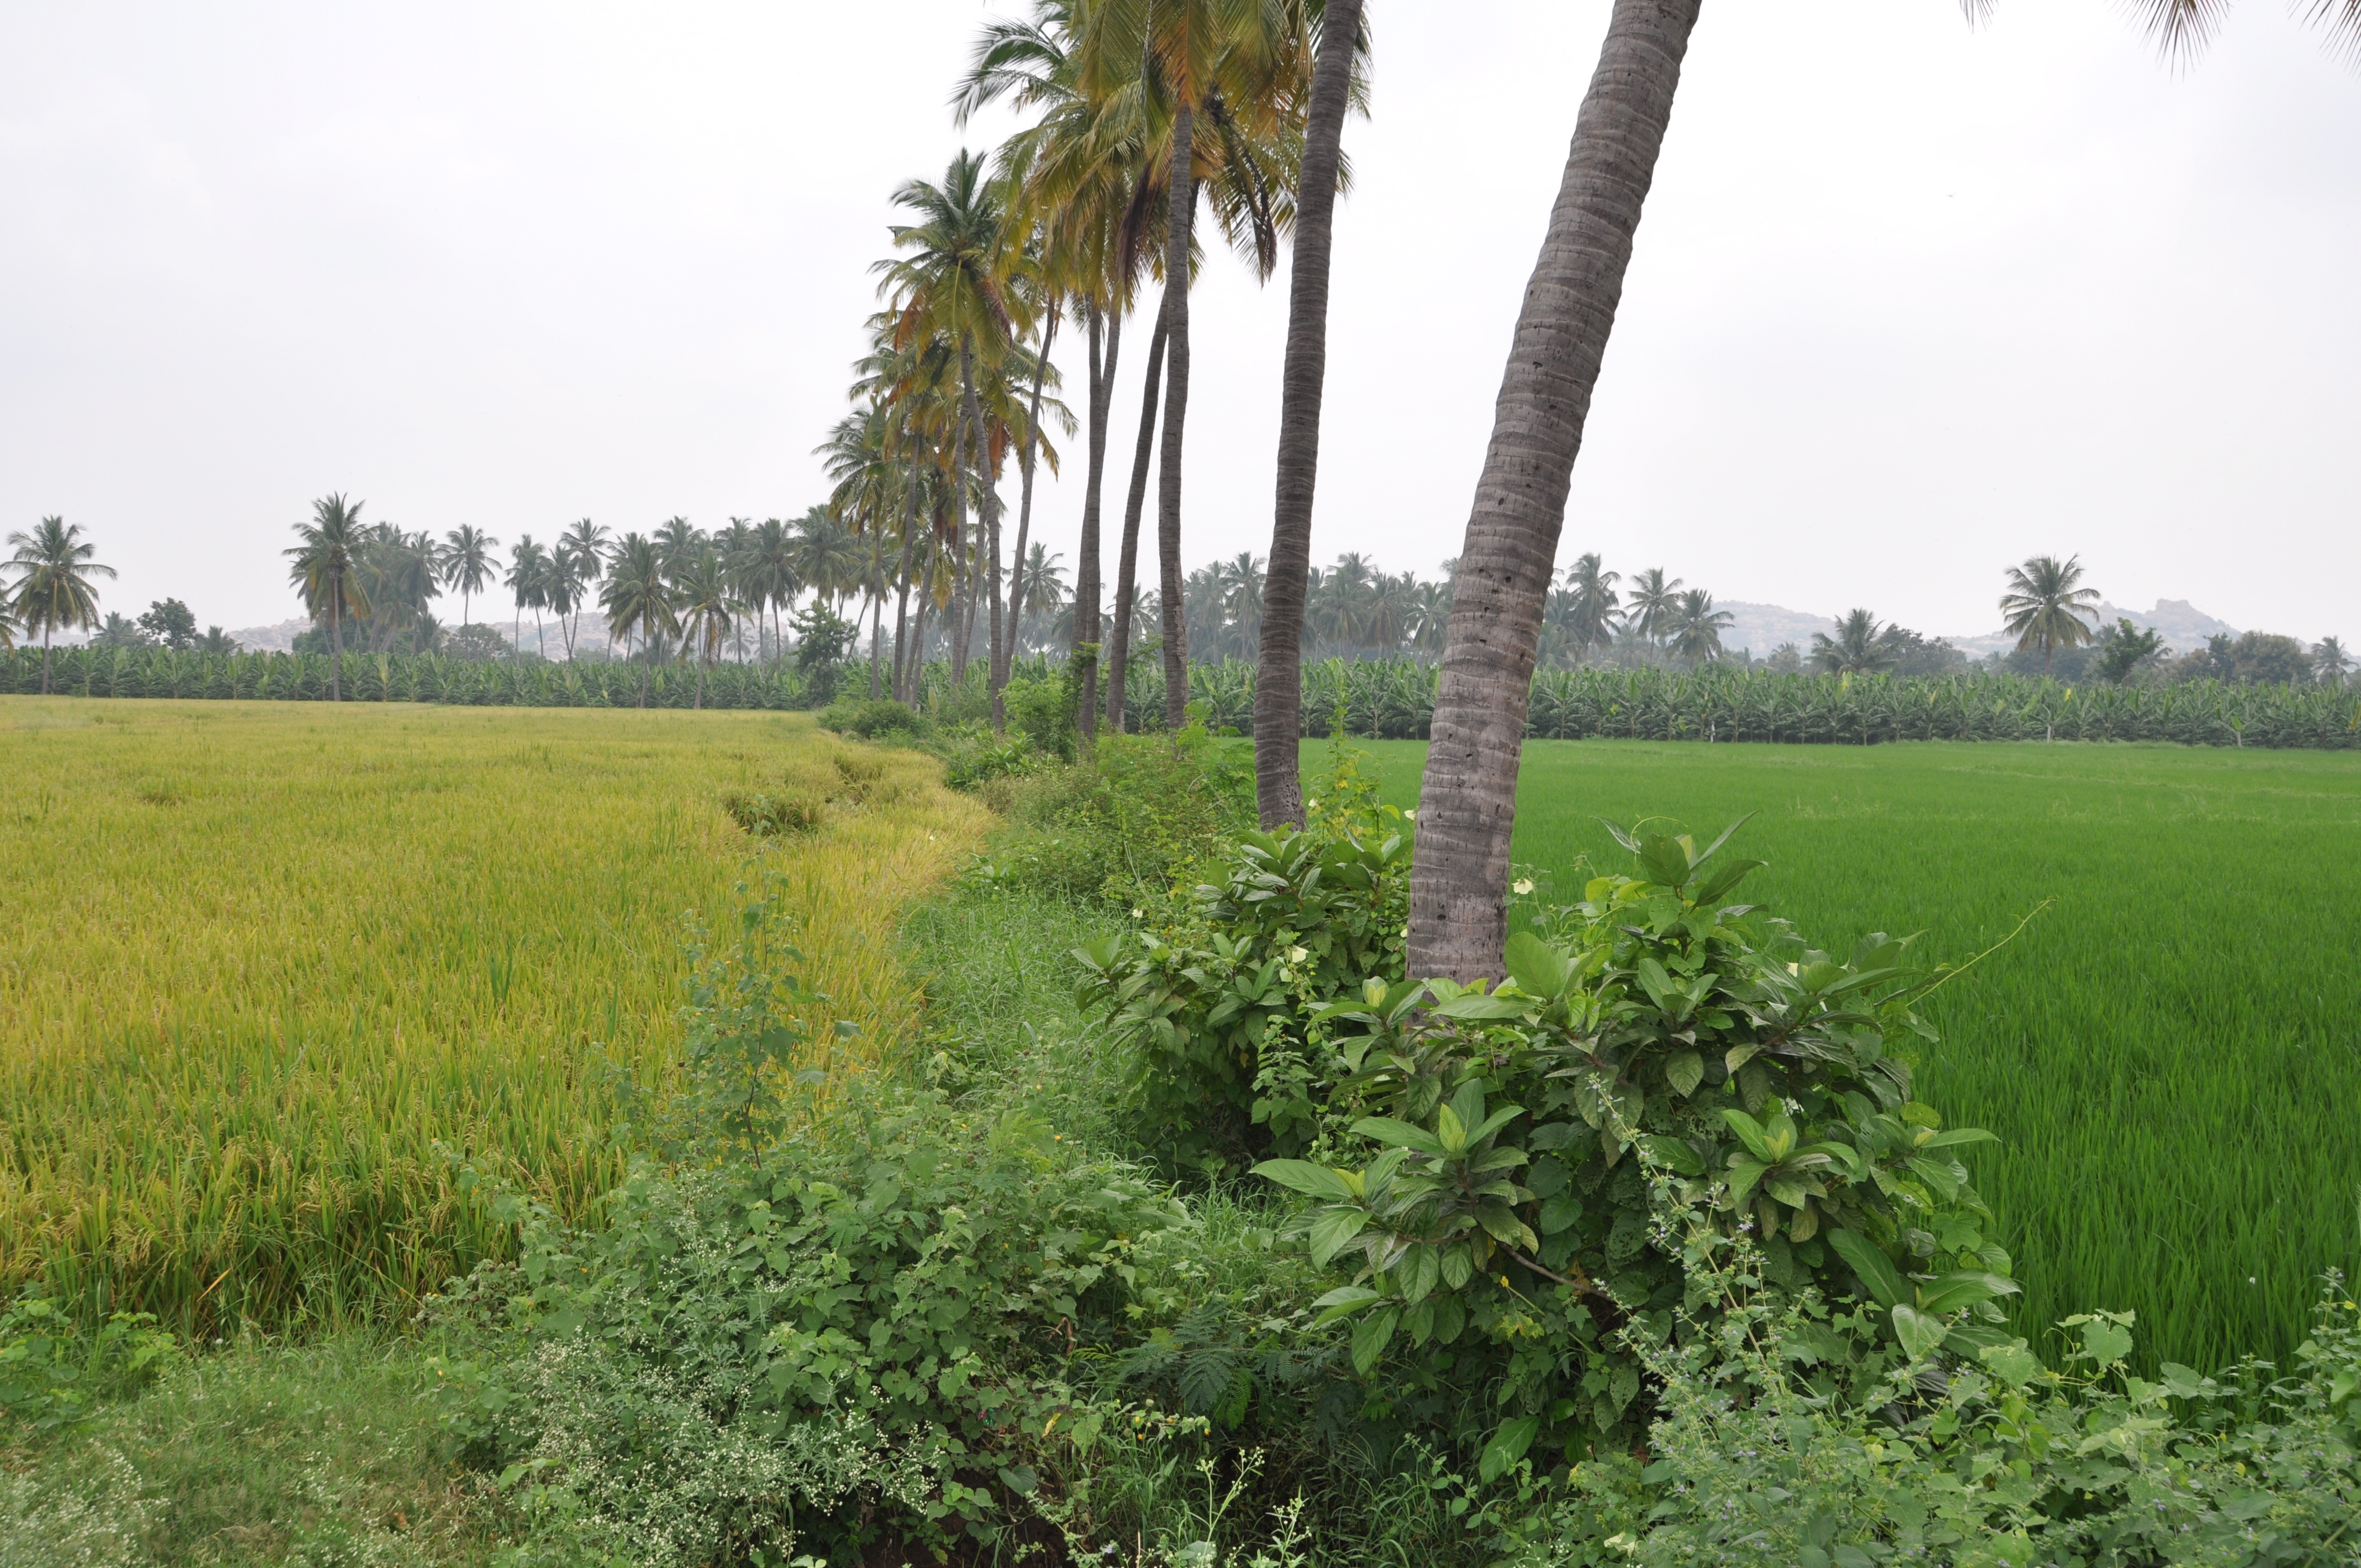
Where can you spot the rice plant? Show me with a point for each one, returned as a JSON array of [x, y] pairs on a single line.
[[2167, 1050], [270, 972]]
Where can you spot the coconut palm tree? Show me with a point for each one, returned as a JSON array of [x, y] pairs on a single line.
[[1694, 627], [1591, 612], [528, 579], [1459, 875], [826, 556], [584, 547], [1279, 679], [2045, 608], [1040, 583], [2329, 657], [466, 563], [1653, 603], [1861, 647], [636, 599], [958, 279], [708, 607], [327, 569], [10, 626], [55, 591]]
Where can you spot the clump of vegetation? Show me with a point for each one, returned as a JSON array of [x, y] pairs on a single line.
[[768, 816], [883, 719], [53, 1369], [1128, 825]]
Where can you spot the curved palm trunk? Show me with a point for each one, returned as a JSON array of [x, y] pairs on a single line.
[[1086, 571], [1176, 410], [335, 647], [1126, 573], [1024, 515], [1278, 680], [1467, 806]]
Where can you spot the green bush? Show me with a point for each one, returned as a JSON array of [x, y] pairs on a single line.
[[1128, 826], [54, 1368], [884, 720], [1221, 1006], [843, 1342], [1985, 1462], [768, 816], [1468, 1148]]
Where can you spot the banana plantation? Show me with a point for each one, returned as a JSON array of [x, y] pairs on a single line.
[[1394, 699]]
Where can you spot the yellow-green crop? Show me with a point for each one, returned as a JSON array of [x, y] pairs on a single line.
[[259, 964]]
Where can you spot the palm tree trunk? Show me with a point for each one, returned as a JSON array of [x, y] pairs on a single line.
[[45, 658], [988, 566], [1126, 573], [1086, 571], [958, 523], [1182, 209], [336, 648], [645, 660], [902, 593], [1025, 506], [1279, 678], [876, 646], [1467, 806]]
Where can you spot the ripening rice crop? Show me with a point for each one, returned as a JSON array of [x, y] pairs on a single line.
[[268, 971], [2170, 1050]]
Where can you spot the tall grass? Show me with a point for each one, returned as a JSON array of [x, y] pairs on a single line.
[[2170, 1050], [258, 963]]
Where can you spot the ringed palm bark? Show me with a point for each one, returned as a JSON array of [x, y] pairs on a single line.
[[1278, 680], [327, 569], [1458, 917], [56, 589]]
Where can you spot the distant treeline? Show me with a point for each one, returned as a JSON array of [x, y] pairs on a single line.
[[1378, 698]]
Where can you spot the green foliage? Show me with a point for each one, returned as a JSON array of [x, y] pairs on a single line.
[[54, 1370], [2124, 648], [769, 815], [1989, 1461], [821, 638], [853, 1335], [884, 720], [1502, 1232], [1220, 1002], [1128, 825]]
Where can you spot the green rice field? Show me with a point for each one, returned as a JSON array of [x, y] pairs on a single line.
[[2171, 1049]]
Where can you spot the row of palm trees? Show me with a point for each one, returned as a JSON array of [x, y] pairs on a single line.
[[1137, 117], [677, 590]]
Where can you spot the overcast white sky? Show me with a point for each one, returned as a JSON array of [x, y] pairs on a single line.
[[1910, 300]]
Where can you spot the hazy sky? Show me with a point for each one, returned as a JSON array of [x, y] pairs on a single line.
[[1911, 301]]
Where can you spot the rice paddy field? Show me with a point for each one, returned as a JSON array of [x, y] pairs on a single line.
[[2171, 1050], [268, 969]]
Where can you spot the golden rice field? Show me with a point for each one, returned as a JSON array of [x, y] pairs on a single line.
[[261, 963]]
